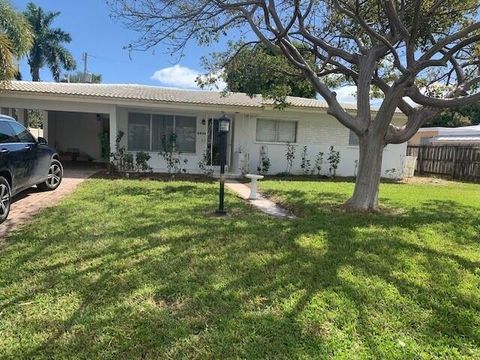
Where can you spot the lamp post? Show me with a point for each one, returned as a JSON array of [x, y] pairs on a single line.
[[223, 129]]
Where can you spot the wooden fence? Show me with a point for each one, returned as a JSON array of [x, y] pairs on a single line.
[[455, 162]]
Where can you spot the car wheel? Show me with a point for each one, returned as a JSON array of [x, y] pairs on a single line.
[[5, 199], [55, 176]]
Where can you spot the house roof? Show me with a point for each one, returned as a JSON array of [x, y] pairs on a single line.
[[157, 94], [456, 139], [473, 130]]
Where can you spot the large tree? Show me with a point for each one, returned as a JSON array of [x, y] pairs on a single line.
[[48, 47], [427, 50], [15, 40], [256, 69]]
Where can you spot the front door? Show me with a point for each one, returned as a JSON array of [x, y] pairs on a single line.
[[213, 144]]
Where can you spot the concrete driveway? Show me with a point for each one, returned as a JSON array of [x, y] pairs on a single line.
[[29, 202]]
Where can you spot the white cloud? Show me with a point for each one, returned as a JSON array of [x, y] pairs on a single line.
[[347, 94], [177, 76], [182, 77]]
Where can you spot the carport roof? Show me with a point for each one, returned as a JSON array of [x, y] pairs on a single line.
[[156, 94]]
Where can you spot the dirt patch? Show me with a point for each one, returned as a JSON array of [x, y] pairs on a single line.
[[426, 180]]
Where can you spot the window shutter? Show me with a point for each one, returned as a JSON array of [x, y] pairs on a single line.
[[266, 130]]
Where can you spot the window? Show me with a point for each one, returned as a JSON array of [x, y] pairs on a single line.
[[152, 132], [139, 132], [6, 133], [185, 129], [276, 131], [353, 139], [21, 133], [162, 126]]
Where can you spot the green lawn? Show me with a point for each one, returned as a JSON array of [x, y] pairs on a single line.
[[140, 269]]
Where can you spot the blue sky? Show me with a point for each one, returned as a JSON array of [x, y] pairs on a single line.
[[103, 38]]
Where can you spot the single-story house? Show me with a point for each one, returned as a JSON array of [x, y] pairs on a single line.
[[464, 135], [75, 116]]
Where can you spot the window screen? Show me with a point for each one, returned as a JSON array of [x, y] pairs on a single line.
[[276, 131], [185, 130], [162, 130], [153, 132], [138, 132]]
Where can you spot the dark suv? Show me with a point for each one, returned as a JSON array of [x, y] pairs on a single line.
[[24, 162]]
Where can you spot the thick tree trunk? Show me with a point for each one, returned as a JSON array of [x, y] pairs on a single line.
[[35, 72], [365, 195]]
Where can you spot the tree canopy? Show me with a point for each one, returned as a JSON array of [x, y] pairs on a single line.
[[15, 40], [460, 116], [48, 47], [80, 77], [256, 69], [426, 50]]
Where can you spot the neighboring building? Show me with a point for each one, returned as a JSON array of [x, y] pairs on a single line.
[[465, 135], [75, 115]]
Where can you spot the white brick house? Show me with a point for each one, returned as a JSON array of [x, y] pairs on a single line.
[[75, 115]]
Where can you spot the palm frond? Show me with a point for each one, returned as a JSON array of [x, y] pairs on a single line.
[[16, 27], [48, 46], [8, 68]]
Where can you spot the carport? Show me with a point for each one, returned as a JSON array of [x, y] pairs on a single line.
[[75, 129]]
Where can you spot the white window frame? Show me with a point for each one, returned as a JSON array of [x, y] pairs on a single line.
[[151, 114], [276, 132]]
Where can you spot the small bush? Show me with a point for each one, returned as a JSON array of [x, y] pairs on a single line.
[[333, 161], [141, 162]]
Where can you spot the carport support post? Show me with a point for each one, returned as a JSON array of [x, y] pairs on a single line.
[[112, 124], [21, 118]]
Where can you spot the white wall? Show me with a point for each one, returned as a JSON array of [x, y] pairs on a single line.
[[157, 163], [318, 132]]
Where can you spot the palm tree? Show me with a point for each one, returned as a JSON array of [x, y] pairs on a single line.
[[80, 77], [15, 40], [48, 48]]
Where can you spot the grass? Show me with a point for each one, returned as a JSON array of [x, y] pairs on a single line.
[[140, 269]]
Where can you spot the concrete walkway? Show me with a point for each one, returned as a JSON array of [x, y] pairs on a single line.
[[263, 204], [29, 202]]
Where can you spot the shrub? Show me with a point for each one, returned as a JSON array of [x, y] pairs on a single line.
[[171, 157], [264, 164], [141, 162], [121, 160], [290, 156], [318, 162], [333, 160], [305, 165], [206, 169]]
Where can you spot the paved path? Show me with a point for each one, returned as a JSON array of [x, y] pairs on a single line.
[[26, 204], [263, 204]]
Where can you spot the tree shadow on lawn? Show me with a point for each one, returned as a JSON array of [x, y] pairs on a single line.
[[166, 280]]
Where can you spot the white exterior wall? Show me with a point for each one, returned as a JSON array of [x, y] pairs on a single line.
[[318, 132], [157, 163]]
